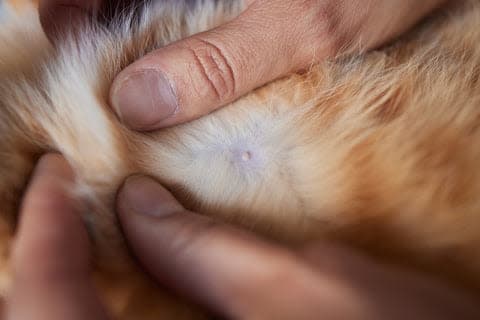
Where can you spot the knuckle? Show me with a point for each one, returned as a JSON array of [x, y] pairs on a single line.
[[215, 68], [341, 26], [327, 28]]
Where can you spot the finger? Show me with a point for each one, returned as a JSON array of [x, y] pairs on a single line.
[[385, 291], [230, 271], [197, 75], [62, 17], [241, 276], [51, 252], [59, 16]]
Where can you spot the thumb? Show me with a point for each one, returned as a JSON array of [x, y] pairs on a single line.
[[197, 75], [213, 264]]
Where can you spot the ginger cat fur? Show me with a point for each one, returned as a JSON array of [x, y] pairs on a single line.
[[380, 151]]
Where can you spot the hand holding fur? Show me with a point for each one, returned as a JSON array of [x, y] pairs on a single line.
[[379, 151], [198, 74]]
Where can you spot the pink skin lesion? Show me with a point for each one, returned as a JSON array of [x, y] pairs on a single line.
[[247, 156]]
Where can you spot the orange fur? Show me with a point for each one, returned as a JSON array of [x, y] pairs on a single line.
[[379, 151]]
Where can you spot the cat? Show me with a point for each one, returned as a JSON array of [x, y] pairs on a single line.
[[378, 150]]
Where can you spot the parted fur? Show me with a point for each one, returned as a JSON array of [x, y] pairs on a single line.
[[380, 151]]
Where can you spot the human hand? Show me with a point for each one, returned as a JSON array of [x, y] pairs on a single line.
[[241, 276], [271, 38], [51, 254], [232, 272]]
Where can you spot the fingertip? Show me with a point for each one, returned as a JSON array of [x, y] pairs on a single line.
[[49, 217], [54, 164], [143, 97], [59, 16], [143, 196], [50, 188]]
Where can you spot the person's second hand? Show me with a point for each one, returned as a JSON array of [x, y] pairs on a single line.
[[231, 272]]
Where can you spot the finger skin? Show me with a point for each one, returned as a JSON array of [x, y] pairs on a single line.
[[211, 69], [227, 270], [243, 277], [268, 40], [51, 252], [58, 17]]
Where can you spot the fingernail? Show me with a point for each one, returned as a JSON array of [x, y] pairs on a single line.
[[144, 98], [143, 195]]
